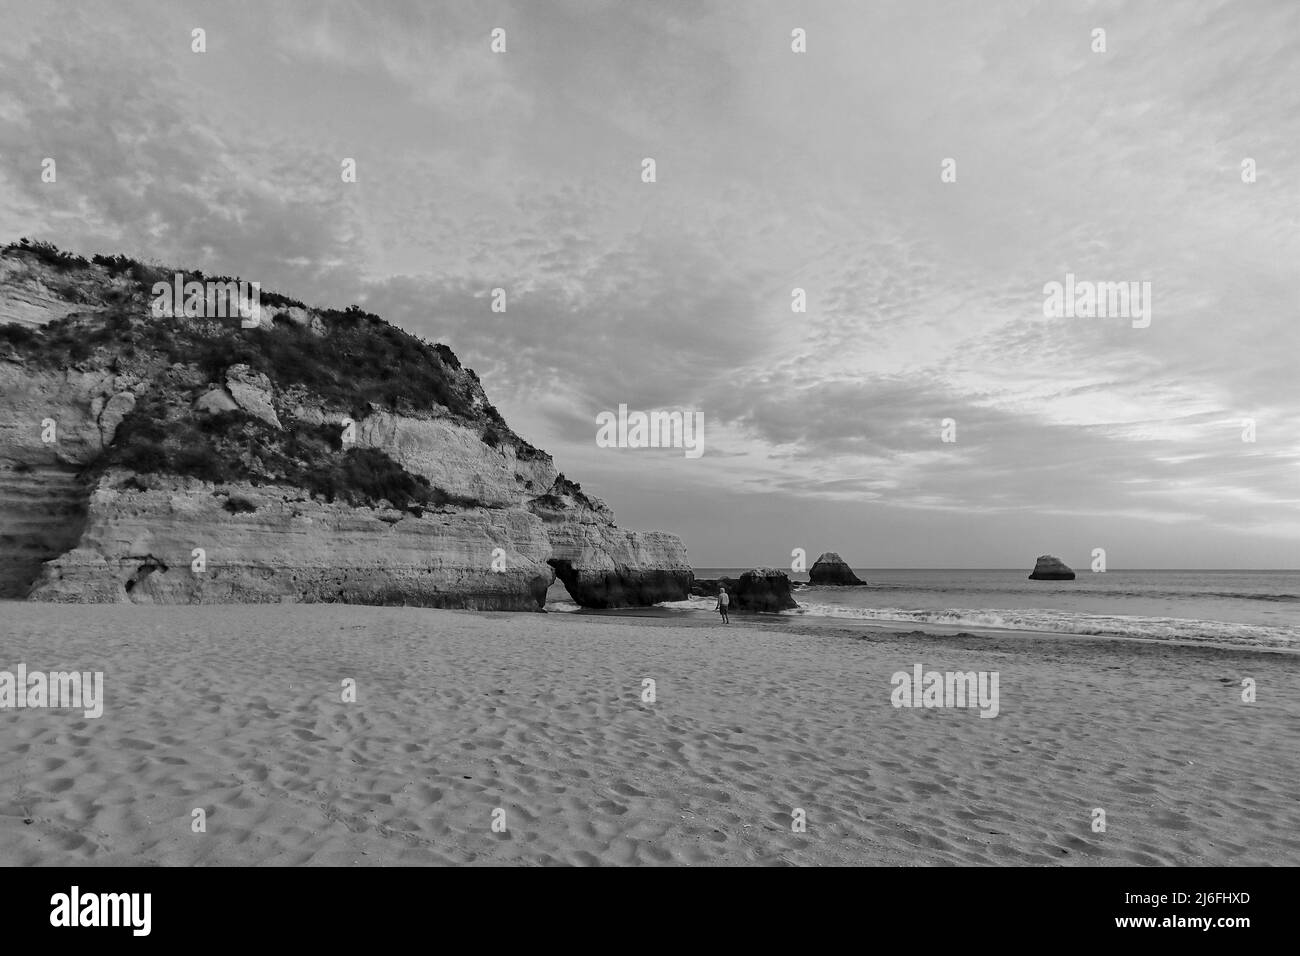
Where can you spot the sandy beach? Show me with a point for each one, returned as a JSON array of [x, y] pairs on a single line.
[[238, 711]]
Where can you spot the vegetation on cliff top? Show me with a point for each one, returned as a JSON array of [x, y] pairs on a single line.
[[359, 364], [360, 361]]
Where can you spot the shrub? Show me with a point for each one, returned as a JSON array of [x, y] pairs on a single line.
[[449, 357], [312, 442], [144, 456], [116, 265], [369, 475], [17, 335], [50, 254], [198, 461], [221, 423], [525, 451]]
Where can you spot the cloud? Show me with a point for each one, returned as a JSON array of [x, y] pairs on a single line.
[[776, 171]]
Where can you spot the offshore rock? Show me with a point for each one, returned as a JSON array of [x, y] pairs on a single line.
[[1050, 568], [831, 569]]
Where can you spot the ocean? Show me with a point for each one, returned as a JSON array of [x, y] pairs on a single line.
[[1255, 608]]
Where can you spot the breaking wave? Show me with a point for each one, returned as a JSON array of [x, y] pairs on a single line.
[[1069, 622]]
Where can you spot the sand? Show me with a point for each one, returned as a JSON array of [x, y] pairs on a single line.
[[237, 710]]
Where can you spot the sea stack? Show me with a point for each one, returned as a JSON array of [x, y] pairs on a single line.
[[759, 589], [763, 589], [1051, 568], [831, 569]]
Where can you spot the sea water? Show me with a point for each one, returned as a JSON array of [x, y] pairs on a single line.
[[1260, 608]]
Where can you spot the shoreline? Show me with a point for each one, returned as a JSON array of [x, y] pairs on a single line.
[[687, 617], [781, 621]]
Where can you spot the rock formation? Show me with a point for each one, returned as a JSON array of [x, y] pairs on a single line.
[[43, 494], [323, 456], [763, 589], [759, 589], [181, 541], [603, 566], [831, 569], [1050, 568]]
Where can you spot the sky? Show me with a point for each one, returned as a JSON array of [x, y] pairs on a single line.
[[775, 170]]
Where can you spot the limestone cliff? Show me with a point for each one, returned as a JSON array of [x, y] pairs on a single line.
[[170, 540], [321, 456], [52, 425], [605, 566]]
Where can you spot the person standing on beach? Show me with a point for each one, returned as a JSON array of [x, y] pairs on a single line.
[[723, 601]]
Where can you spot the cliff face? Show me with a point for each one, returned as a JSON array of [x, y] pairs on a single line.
[[324, 456], [605, 566], [35, 293], [452, 456], [184, 541], [43, 495]]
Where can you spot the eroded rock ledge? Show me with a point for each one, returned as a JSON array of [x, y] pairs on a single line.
[[184, 541]]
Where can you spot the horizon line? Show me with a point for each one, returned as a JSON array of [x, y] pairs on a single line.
[[724, 567]]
